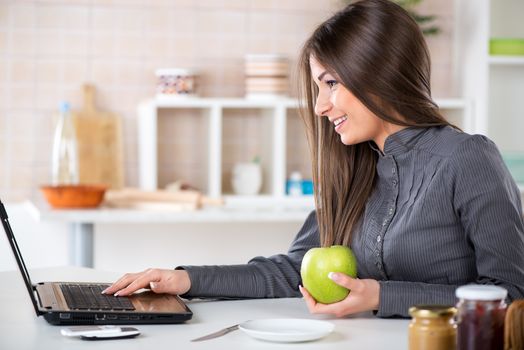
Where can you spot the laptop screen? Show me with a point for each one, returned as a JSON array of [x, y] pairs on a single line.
[[18, 256]]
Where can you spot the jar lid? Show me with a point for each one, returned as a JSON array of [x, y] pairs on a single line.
[[265, 57], [296, 176], [432, 311], [481, 292], [174, 71]]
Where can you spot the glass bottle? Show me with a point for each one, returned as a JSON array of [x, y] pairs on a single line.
[[64, 160], [294, 184], [480, 318], [432, 327]]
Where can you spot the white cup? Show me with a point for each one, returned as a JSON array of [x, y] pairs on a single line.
[[247, 178]]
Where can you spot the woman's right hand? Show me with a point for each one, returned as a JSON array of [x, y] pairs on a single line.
[[158, 280]]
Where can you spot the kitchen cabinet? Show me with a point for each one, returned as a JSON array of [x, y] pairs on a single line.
[[280, 134]]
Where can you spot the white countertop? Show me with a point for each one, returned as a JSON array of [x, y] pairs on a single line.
[[21, 329], [235, 210]]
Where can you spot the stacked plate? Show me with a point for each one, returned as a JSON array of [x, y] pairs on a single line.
[[266, 76]]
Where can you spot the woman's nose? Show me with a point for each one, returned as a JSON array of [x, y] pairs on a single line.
[[322, 106]]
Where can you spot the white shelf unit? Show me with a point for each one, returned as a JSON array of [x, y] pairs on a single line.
[[215, 109], [279, 113], [494, 83]]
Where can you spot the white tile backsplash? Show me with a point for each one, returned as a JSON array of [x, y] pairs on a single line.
[[49, 48]]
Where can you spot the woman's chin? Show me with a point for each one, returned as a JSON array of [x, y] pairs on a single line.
[[346, 140]]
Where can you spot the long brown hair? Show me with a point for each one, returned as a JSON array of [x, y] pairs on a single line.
[[378, 52]]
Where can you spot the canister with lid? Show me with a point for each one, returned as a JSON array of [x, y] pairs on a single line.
[[480, 318], [432, 327], [176, 82]]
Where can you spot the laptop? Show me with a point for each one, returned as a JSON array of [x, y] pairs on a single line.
[[72, 303]]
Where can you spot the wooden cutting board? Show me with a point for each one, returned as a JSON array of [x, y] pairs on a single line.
[[100, 149]]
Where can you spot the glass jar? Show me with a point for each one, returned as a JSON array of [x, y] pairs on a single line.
[[480, 318], [432, 327]]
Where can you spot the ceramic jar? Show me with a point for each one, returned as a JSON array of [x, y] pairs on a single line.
[[247, 178]]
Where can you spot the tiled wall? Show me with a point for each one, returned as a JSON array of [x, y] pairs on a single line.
[[48, 48]]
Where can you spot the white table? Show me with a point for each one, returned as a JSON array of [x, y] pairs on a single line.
[[82, 221], [21, 329]]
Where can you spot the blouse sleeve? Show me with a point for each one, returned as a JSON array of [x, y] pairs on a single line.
[[262, 277], [487, 200]]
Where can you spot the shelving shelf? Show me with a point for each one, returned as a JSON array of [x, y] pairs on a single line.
[[506, 60], [216, 110]]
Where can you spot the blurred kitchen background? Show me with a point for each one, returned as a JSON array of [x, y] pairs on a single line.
[[50, 48]]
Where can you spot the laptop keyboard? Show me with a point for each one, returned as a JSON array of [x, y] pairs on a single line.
[[90, 297]]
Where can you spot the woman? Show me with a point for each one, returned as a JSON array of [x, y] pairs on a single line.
[[424, 207]]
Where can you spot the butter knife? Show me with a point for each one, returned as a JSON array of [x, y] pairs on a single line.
[[217, 334]]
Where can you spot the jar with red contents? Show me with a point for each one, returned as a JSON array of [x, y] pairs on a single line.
[[480, 317]]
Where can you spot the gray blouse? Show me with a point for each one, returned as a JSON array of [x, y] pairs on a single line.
[[444, 212]]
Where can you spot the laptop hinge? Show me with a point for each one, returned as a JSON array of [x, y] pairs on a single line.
[[39, 301]]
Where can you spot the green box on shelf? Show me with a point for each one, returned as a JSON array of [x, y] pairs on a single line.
[[506, 46], [515, 163]]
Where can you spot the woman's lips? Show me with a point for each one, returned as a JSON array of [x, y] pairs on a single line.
[[339, 122]]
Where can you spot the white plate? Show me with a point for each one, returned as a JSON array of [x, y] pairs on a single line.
[[287, 329]]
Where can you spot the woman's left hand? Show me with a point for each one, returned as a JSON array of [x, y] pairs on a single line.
[[364, 296]]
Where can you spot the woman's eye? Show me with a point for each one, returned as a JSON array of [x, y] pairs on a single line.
[[331, 83]]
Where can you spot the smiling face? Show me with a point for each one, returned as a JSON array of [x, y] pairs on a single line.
[[352, 120]]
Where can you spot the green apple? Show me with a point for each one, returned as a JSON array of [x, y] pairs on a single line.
[[318, 263]]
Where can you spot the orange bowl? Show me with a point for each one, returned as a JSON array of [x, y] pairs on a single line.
[[74, 196]]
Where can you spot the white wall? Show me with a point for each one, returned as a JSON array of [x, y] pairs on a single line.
[[136, 247], [126, 248]]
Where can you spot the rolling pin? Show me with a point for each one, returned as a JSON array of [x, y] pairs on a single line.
[[133, 195]]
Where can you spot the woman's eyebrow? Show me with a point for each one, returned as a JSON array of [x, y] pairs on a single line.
[[321, 75]]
